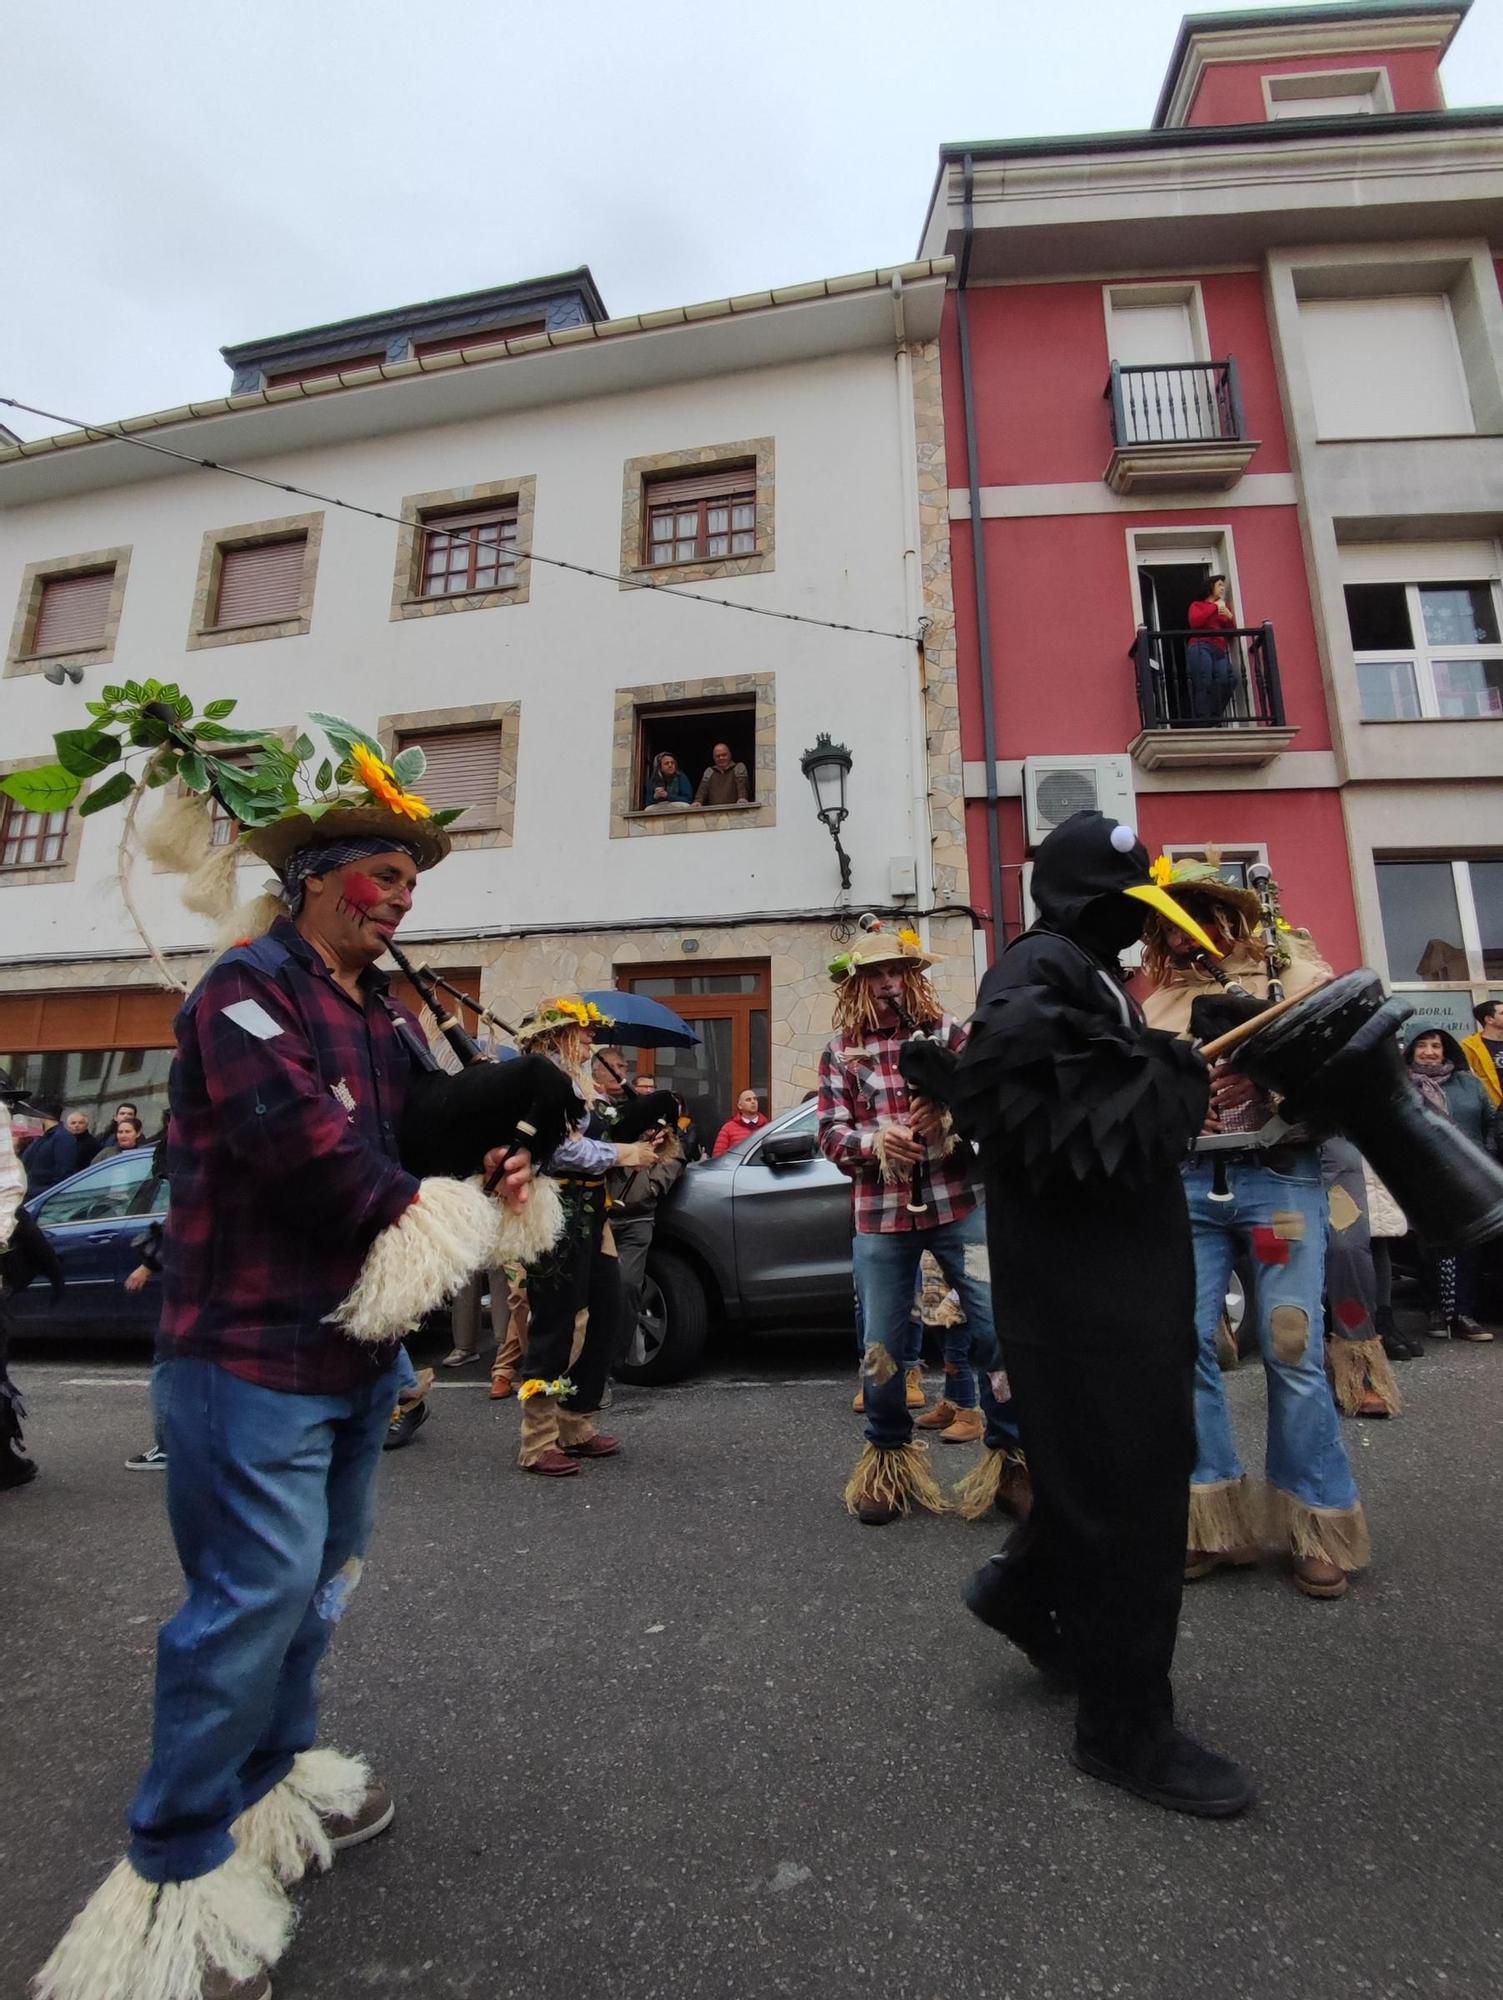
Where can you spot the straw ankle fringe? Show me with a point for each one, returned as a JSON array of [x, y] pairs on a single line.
[[1222, 1517], [1358, 1366], [976, 1495], [140, 1940], [1319, 1534], [895, 1476], [284, 1831]]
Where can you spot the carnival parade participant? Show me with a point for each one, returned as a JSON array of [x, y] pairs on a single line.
[[574, 1292], [1270, 1203], [297, 1248], [16, 1468], [915, 1190], [1082, 1114]]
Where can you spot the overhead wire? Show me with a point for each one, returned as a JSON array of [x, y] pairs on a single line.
[[454, 539]]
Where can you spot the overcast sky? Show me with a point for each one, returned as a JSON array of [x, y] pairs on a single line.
[[176, 175]]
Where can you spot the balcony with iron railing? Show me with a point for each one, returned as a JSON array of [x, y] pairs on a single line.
[[1205, 699], [1176, 426]]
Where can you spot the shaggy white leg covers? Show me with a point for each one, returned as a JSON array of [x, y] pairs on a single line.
[[284, 1830], [139, 1940], [521, 1238], [420, 1260]]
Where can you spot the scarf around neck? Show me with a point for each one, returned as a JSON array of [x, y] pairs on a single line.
[[1432, 1083]]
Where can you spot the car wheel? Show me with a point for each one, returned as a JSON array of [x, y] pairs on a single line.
[[672, 1326]]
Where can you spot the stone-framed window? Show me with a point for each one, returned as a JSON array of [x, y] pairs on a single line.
[[466, 548], [69, 611], [739, 708], [42, 847], [256, 581], [719, 495], [472, 760]]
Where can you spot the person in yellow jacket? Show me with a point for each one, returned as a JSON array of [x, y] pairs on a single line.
[[1484, 1050]]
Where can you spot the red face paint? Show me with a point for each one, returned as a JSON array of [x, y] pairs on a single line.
[[359, 895]]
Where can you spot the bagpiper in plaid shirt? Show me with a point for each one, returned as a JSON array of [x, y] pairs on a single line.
[[282, 1160], [862, 1088]]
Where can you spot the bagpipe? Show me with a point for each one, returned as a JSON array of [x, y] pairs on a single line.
[[453, 1119], [1332, 1057]]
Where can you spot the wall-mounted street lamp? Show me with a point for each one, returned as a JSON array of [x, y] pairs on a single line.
[[827, 766], [57, 673]]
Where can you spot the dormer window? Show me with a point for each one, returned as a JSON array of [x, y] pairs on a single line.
[[1330, 93]]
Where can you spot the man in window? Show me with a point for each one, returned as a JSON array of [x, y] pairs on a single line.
[[726, 783], [1484, 1050], [666, 784]]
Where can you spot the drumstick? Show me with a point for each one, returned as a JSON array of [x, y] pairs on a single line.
[[1244, 1031]]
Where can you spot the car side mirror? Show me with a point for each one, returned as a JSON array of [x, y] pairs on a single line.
[[785, 1149]]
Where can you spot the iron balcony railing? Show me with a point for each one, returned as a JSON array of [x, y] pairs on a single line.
[[1186, 680], [1182, 402]]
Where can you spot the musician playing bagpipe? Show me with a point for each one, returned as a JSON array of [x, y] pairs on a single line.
[[1081, 1115], [1296, 1211], [298, 1249]]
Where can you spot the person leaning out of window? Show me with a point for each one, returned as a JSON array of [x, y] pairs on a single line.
[[726, 783], [666, 784], [1208, 657]]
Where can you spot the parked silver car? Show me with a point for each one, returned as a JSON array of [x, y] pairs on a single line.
[[760, 1236]]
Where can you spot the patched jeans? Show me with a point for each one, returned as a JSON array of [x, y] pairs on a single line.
[[270, 1497], [960, 1376], [886, 1270], [1278, 1216]]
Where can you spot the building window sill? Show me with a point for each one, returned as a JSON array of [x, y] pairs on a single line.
[[87, 654], [1421, 721], [691, 812], [701, 566]]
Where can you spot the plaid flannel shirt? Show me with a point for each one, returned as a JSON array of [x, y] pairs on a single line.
[[862, 1088], [287, 1099]]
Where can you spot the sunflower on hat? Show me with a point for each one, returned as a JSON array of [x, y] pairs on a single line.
[[551, 1017]]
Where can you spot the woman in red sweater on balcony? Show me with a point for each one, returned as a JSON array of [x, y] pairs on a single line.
[[1208, 659]]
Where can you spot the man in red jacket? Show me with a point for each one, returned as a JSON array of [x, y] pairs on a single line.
[[1208, 659], [748, 1119]]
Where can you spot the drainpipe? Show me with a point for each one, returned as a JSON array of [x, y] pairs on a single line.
[[913, 608], [978, 568]]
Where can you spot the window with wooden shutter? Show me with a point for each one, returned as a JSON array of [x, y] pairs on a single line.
[[261, 584], [469, 552], [464, 769], [72, 613], [31, 839], [702, 517]]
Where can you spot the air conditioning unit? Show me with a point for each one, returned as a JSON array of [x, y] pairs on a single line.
[[1055, 787]]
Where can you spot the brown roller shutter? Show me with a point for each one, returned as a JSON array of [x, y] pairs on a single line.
[[314, 371], [464, 768], [711, 484], [72, 612], [261, 584], [480, 336], [122, 1018]]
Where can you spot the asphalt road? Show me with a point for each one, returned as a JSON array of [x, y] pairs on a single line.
[[681, 1728]]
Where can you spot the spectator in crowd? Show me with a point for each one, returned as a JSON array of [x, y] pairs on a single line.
[[634, 1196], [56, 1154], [126, 1110], [748, 1119], [726, 783], [666, 783], [129, 1134], [643, 1084], [77, 1123], [1446, 1084], [1208, 657], [1484, 1050]]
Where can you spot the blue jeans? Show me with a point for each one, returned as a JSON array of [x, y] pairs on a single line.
[[270, 1497], [1278, 1216], [886, 1271], [960, 1376], [1213, 680], [913, 1353]]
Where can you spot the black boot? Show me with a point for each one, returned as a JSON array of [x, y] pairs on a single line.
[[16, 1469], [998, 1595], [1172, 1770]]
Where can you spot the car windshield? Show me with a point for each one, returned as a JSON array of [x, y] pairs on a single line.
[[119, 1186]]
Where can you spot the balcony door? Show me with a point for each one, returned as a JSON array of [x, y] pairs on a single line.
[[1157, 336]]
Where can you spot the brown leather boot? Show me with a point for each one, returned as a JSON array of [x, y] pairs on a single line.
[[936, 1419], [1201, 1562], [501, 1386], [1315, 1577], [858, 1401], [915, 1389], [969, 1427], [1015, 1489], [552, 1464]]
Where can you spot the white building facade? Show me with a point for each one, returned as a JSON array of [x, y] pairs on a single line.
[[783, 453]]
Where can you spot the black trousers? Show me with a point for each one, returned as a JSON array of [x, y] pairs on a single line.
[[576, 1276]]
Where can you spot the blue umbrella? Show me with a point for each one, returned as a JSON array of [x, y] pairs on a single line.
[[638, 1022]]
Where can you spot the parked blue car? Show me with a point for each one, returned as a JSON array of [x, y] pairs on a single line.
[[93, 1221]]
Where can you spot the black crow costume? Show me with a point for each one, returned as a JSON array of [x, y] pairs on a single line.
[[1081, 1115]]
